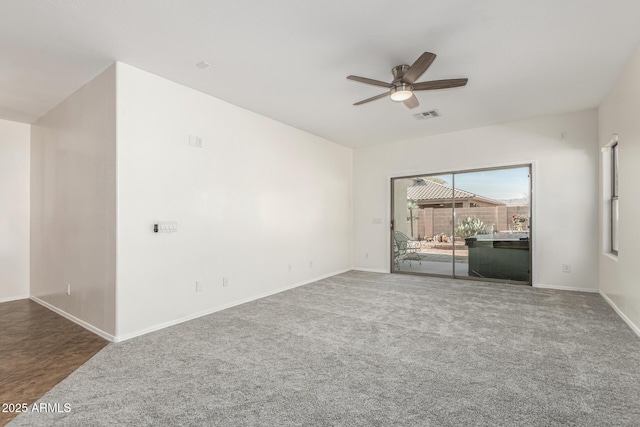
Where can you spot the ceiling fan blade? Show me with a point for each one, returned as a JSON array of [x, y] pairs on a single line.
[[419, 67], [373, 98], [411, 102], [370, 81], [440, 84]]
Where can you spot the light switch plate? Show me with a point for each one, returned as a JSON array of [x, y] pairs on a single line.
[[167, 226]]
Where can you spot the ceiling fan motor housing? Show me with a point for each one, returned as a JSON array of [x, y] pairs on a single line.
[[398, 72]]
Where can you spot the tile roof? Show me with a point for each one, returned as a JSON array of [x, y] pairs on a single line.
[[430, 190]]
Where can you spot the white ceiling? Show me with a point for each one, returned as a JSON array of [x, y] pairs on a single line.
[[288, 59]]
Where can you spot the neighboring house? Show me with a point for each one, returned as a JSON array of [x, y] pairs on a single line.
[[433, 216], [431, 194]]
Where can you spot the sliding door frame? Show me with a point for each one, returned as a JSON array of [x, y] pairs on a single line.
[[529, 165]]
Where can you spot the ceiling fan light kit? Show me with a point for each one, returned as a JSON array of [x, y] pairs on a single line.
[[403, 86], [401, 92]]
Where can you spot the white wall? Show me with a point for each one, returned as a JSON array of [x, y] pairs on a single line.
[[258, 197], [565, 216], [73, 205], [619, 114], [14, 210]]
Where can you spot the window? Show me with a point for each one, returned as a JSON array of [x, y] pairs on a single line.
[[614, 199]]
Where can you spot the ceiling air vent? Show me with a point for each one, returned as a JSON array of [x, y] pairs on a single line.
[[427, 115]]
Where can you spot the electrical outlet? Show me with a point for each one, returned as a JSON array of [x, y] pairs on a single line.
[[199, 286], [289, 268], [566, 268], [68, 289], [225, 282], [195, 141], [310, 264], [366, 255]]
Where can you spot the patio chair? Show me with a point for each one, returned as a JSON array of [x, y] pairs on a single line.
[[405, 249]]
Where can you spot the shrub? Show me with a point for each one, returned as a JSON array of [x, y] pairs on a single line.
[[470, 227]]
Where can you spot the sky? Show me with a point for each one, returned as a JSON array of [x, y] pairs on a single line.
[[500, 184]]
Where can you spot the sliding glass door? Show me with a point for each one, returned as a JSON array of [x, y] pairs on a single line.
[[468, 224], [422, 225]]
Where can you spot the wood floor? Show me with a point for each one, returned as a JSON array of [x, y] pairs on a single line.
[[38, 349]]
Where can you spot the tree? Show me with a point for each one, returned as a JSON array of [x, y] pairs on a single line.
[[435, 179], [411, 205]]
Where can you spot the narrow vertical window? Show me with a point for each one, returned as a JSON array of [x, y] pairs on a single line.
[[614, 199]]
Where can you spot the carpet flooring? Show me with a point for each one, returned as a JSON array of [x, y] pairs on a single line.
[[366, 349]]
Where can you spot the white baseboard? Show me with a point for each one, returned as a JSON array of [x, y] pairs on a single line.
[[371, 270], [74, 319], [14, 298], [628, 321], [124, 337], [564, 288]]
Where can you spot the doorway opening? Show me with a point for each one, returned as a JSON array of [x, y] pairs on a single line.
[[473, 224]]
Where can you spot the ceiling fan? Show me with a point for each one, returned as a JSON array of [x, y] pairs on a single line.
[[403, 85]]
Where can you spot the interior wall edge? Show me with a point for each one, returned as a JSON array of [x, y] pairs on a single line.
[[617, 120], [160, 326], [372, 270], [13, 298], [15, 210], [74, 319], [565, 288], [619, 312], [72, 196]]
